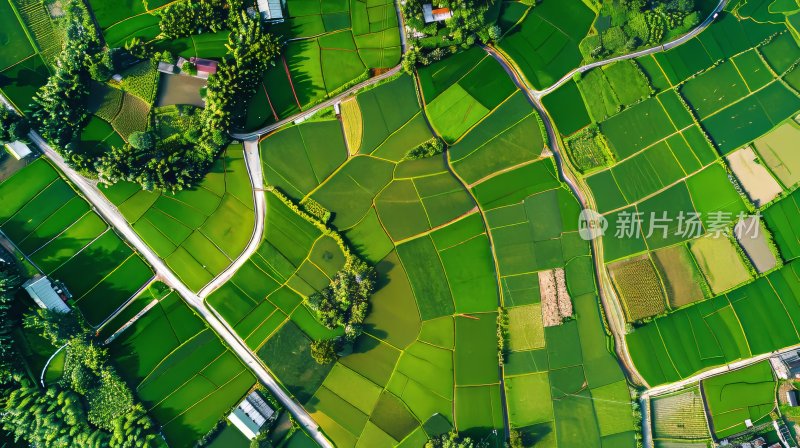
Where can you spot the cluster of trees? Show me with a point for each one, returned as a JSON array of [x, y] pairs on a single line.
[[13, 127], [454, 440], [61, 110], [470, 24], [432, 147], [89, 407], [633, 24], [188, 17], [110, 414], [343, 304], [60, 107], [177, 164], [9, 282]]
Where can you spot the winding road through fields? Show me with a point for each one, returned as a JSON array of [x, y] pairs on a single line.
[[112, 215], [608, 298]]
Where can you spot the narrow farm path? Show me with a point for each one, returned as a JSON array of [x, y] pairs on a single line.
[[611, 305]]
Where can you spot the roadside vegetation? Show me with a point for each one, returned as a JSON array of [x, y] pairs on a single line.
[[628, 25]]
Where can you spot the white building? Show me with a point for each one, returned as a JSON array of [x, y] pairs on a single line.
[[41, 291], [271, 10], [435, 15], [251, 415], [18, 150]]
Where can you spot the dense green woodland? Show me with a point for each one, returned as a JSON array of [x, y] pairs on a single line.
[[60, 111], [90, 406]]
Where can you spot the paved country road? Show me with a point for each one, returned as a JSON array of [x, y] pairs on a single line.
[[657, 49], [113, 216]]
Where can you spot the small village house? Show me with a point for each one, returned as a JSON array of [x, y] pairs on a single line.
[[205, 67], [435, 15]]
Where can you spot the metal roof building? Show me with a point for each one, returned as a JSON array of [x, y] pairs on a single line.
[[18, 150], [271, 10], [41, 291], [251, 414]]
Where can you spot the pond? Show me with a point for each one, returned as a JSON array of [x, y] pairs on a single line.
[[180, 89]]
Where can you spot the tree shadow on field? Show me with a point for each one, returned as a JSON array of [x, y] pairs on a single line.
[[486, 436], [305, 88], [89, 275]]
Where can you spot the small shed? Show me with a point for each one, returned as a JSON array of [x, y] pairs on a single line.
[[792, 397], [435, 15], [18, 150], [42, 292], [251, 415]]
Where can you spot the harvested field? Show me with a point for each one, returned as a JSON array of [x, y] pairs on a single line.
[[753, 238], [556, 303], [754, 177], [353, 125], [639, 286], [682, 279], [679, 416], [777, 150]]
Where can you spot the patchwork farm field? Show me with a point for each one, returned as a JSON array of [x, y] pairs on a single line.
[[331, 46], [486, 315], [56, 230], [197, 232], [184, 375], [428, 358]]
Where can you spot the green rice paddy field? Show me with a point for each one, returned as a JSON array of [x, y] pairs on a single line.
[[661, 350], [531, 219], [724, 329], [430, 339], [197, 232], [461, 91], [57, 231], [184, 375], [739, 395], [545, 44], [29, 39], [331, 45]]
